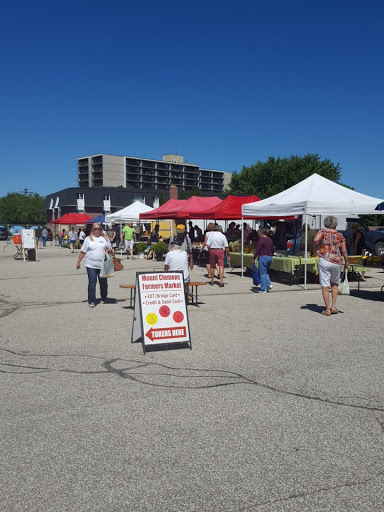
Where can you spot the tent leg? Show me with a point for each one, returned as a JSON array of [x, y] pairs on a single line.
[[242, 246]]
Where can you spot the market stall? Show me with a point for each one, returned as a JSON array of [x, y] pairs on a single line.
[[313, 196], [130, 213]]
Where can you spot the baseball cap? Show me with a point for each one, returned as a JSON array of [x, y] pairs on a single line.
[[180, 228]]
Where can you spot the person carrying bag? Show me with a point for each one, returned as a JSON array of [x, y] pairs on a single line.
[[107, 270], [344, 284]]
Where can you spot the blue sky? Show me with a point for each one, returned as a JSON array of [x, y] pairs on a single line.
[[224, 83]]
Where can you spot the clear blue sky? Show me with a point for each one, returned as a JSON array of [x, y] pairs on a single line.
[[225, 83]]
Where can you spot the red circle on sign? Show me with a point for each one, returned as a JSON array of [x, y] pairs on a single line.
[[164, 311], [178, 316]]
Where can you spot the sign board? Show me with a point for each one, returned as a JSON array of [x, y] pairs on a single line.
[[28, 238], [160, 315]]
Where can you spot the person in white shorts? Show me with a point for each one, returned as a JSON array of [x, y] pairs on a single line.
[[330, 246]]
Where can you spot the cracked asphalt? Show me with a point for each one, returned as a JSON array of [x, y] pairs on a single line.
[[276, 407]]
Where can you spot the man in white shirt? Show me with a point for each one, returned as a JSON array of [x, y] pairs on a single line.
[[177, 259], [217, 244]]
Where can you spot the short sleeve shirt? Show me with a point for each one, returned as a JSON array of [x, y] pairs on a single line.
[[178, 260], [330, 246], [217, 240], [128, 232], [95, 251]]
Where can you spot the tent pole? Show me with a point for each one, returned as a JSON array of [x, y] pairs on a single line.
[[242, 245], [306, 253]]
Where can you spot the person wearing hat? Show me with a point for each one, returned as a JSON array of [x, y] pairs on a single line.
[[183, 241]]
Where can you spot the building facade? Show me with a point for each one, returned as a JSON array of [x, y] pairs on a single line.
[[104, 170]]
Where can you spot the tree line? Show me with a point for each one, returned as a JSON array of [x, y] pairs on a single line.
[[20, 209]]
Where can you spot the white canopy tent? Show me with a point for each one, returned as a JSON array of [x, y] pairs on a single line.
[[313, 196], [130, 213]]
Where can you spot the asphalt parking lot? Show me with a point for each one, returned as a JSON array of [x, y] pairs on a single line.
[[276, 407]]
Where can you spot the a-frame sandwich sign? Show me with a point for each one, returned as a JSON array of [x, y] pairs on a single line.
[[160, 316]]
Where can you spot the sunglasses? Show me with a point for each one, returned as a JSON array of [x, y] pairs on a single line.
[[96, 229]]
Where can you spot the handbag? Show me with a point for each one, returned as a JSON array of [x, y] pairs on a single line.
[[107, 269], [117, 265], [344, 285], [255, 275]]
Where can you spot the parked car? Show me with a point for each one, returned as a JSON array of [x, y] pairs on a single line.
[[374, 239], [3, 233]]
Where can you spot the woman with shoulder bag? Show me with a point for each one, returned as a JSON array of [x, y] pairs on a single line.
[[95, 247]]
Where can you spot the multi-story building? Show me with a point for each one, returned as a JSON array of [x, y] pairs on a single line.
[[141, 173]]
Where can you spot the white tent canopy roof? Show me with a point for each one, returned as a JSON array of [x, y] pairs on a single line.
[[314, 196], [130, 213]]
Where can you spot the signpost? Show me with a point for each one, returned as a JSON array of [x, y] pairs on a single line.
[[160, 314], [28, 243]]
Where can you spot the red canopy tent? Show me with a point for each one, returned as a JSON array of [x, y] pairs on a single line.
[[195, 205], [155, 214], [229, 209], [183, 209], [72, 218]]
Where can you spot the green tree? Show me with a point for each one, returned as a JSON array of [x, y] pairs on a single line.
[[182, 194], [22, 209], [268, 178], [193, 191], [161, 199], [198, 193], [372, 220]]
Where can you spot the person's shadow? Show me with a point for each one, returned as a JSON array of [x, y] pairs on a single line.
[[315, 308]]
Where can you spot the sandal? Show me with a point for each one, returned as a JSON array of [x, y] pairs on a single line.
[[325, 313], [334, 311]]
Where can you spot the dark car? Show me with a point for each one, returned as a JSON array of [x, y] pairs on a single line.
[[374, 240], [3, 233]]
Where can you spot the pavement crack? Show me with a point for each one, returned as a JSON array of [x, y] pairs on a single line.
[[305, 494], [161, 375]]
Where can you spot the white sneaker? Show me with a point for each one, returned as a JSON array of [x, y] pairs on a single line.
[[270, 288]]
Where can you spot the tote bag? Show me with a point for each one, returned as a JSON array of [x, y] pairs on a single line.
[[107, 269], [344, 285], [255, 275]]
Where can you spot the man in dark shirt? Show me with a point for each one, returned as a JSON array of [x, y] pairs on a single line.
[[264, 252], [38, 236]]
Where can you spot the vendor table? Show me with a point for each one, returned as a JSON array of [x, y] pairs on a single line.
[[286, 264], [293, 265]]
